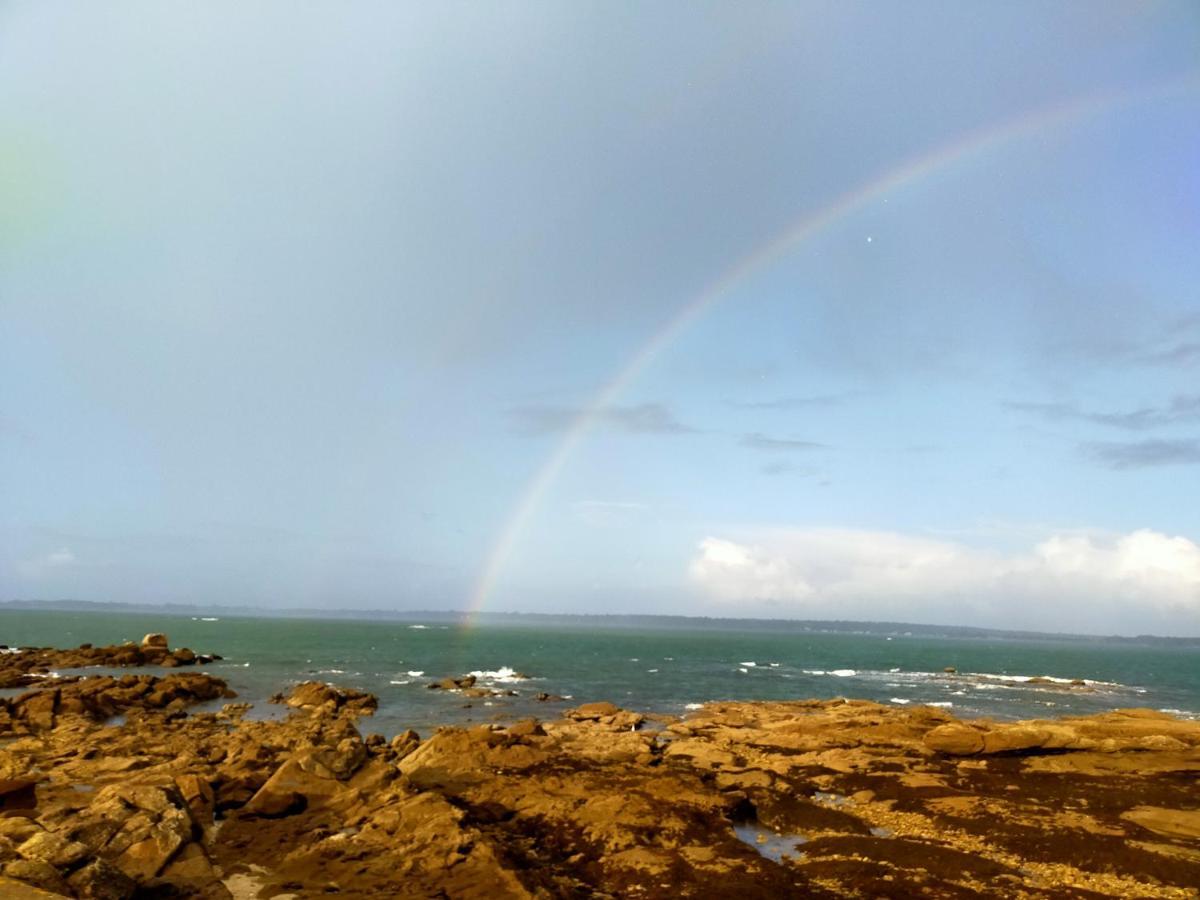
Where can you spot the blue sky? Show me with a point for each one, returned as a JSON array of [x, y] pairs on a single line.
[[296, 304]]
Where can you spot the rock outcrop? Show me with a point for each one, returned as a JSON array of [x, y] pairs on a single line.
[[801, 799], [28, 666]]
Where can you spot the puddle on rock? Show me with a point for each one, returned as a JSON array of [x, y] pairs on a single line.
[[770, 845]]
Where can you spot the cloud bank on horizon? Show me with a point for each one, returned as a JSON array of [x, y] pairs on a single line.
[[1083, 583]]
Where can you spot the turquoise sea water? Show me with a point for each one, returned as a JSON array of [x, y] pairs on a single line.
[[654, 669]]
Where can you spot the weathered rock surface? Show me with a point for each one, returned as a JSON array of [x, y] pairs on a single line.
[[864, 800], [99, 698], [34, 665]]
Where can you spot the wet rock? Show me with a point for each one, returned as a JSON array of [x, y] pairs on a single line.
[[155, 641]]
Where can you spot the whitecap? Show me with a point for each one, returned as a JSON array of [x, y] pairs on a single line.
[[418, 627], [896, 669], [1021, 679], [694, 706], [843, 673], [415, 673], [209, 619], [944, 703], [773, 665], [749, 665], [814, 671], [652, 670], [405, 681], [744, 671], [504, 673], [901, 701]]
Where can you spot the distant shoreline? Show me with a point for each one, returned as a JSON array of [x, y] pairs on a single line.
[[616, 621]]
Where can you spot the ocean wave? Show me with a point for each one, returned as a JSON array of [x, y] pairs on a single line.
[[748, 665], [901, 701], [504, 674], [694, 706], [843, 673], [405, 681], [418, 627], [1039, 679], [415, 673]]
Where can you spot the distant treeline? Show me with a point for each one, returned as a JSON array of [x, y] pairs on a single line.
[[582, 620]]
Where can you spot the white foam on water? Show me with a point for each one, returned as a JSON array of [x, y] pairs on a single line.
[[415, 673], [901, 701], [744, 671], [652, 670], [843, 673], [897, 668], [748, 665], [694, 706], [943, 703], [773, 665], [418, 627], [1022, 679], [504, 673], [814, 671], [405, 681], [209, 619]]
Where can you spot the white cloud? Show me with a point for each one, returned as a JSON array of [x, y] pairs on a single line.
[[1070, 581]]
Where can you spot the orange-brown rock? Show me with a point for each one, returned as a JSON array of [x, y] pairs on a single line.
[[316, 694], [35, 665], [802, 799]]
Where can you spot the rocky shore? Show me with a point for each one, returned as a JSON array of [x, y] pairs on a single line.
[[837, 798]]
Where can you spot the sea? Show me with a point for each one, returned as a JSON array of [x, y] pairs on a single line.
[[662, 666]]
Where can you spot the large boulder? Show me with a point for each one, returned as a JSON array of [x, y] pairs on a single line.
[[314, 695], [955, 739], [155, 641]]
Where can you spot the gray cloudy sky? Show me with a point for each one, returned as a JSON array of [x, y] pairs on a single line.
[[330, 305]]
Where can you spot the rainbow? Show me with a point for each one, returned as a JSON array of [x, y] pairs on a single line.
[[907, 173]]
